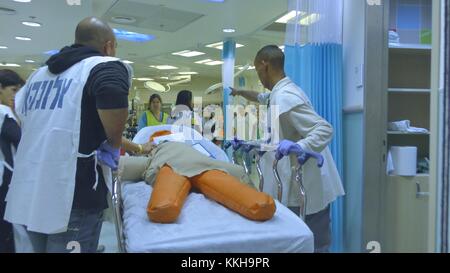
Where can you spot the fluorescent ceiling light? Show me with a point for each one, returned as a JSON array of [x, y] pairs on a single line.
[[219, 45], [20, 38], [188, 53], [204, 61], [9, 65], [29, 61], [3, 47], [209, 62], [289, 16], [216, 1], [128, 62], [132, 36], [188, 73], [310, 19], [164, 67], [143, 79], [229, 30], [164, 78], [22, 1], [31, 24], [214, 63], [52, 52]]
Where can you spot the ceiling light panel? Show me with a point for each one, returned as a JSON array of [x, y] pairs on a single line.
[[188, 53], [220, 45], [164, 67]]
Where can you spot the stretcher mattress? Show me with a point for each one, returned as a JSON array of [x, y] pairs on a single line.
[[205, 226]]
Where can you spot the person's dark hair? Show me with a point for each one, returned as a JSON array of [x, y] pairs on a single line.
[[10, 78], [152, 98], [184, 97], [273, 55]]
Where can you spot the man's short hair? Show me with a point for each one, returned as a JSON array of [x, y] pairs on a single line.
[[273, 55]]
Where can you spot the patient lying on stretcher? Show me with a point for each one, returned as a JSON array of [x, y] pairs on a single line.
[[174, 168]]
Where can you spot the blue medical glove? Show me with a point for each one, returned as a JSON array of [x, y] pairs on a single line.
[[236, 144], [286, 147], [109, 156]]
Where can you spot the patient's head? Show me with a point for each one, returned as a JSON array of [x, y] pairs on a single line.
[[159, 133]]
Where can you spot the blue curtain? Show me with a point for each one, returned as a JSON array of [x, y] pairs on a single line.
[[317, 69]]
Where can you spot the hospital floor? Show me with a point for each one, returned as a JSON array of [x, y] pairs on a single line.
[[108, 237]]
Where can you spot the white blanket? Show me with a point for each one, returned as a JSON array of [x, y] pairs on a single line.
[[204, 226]]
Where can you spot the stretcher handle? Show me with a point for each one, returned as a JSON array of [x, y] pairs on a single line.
[[117, 207], [278, 180], [303, 157], [227, 144], [248, 147], [237, 144], [306, 155]]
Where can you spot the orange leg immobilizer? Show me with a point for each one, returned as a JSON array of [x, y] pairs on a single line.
[[171, 190], [168, 196]]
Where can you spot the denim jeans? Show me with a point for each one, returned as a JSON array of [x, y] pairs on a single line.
[[82, 235]]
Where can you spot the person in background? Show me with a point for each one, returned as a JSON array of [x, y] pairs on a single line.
[[10, 134], [154, 115], [184, 114]]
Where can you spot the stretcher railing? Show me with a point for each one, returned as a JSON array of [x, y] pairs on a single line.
[[117, 207], [254, 149], [257, 150]]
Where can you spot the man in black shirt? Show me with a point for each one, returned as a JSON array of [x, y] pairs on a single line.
[[104, 111]]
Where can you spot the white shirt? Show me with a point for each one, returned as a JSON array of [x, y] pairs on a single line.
[[299, 122]]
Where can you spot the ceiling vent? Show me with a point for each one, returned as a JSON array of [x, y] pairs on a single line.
[[148, 16]]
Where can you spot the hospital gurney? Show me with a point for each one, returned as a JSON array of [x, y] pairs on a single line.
[[203, 226], [256, 149]]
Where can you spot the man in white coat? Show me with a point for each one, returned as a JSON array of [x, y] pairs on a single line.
[[299, 128]]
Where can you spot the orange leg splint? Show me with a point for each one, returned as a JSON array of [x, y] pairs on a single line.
[[168, 196], [171, 190]]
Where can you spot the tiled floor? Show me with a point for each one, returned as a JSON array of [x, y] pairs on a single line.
[[108, 238]]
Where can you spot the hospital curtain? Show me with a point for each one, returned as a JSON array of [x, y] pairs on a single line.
[[313, 50], [445, 219]]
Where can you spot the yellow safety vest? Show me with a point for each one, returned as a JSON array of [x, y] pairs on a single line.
[[152, 121]]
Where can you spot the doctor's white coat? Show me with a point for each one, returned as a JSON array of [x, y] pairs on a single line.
[[297, 121]]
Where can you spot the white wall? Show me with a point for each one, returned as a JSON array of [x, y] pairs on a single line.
[[354, 31]]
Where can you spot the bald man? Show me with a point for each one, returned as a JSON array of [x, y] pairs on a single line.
[[73, 112], [300, 128]]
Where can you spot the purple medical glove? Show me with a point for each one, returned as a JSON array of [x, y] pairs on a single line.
[[287, 147], [109, 156]]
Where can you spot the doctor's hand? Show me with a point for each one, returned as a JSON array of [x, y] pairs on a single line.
[[109, 156], [287, 147]]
